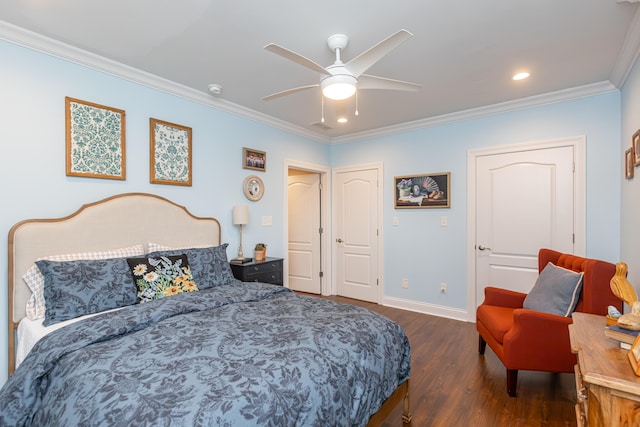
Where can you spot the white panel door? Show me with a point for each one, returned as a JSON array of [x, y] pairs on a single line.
[[524, 202], [304, 233], [356, 232]]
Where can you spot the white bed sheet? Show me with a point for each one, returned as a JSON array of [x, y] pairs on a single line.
[[31, 331]]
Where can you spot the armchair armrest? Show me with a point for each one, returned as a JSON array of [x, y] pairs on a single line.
[[503, 297], [535, 335]]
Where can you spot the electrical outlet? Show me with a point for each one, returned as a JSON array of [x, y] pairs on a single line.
[[443, 288], [405, 283]]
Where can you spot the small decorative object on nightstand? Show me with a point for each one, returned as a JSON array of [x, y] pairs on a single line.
[[260, 252], [267, 271]]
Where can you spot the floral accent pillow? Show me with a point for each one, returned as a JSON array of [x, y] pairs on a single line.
[[161, 276]]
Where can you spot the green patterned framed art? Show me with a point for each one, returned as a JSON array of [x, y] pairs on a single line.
[[170, 153], [95, 140]]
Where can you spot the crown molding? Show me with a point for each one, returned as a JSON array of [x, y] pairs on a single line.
[[29, 39], [502, 107], [49, 46], [629, 52]]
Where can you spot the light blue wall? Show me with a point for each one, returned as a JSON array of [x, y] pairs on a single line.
[[427, 254], [33, 87], [630, 211], [32, 91]]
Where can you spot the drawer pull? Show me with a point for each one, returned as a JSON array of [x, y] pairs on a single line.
[[256, 268]]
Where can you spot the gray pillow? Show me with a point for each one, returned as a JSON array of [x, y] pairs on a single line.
[[556, 291], [209, 266], [76, 288]]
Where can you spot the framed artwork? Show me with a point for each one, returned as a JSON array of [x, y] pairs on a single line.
[[635, 144], [95, 140], [422, 191], [170, 153], [629, 163], [634, 356], [254, 159]]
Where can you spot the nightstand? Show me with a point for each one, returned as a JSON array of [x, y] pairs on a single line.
[[267, 271]]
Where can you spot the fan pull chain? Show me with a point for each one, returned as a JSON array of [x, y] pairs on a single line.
[[322, 108], [357, 103]]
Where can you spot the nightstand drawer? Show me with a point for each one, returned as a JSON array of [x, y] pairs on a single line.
[[274, 277], [268, 271]]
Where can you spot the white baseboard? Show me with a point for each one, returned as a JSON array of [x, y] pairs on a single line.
[[425, 308]]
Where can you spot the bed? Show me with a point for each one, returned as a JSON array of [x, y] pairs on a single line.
[[217, 351]]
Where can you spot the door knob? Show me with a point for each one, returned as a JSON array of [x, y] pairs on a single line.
[[484, 248], [339, 240]]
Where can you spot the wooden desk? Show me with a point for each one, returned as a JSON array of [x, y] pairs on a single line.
[[608, 390]]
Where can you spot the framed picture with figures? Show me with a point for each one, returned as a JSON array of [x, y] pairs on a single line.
[[254, 159]]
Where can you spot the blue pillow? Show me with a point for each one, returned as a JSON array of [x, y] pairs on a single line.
[[76, 288], [556, 291], [209, 266]]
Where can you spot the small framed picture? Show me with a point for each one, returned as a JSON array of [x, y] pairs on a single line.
[[628, 163], [95, 140], [422, 191], [635, 144], [254, 159], [170, 153], [634, 356]]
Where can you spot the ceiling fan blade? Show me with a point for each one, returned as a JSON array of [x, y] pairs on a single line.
[[295, 57], [288, 92], [366, 81], [366, 59]]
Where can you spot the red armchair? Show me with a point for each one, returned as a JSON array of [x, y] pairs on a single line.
[[534, 341]]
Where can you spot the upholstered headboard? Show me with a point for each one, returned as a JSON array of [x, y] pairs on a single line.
[[116, 222]]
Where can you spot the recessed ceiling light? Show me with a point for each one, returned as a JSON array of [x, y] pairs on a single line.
[[521, 76], [342, 120]]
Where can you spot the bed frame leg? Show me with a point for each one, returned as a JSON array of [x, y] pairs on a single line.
[[406, 406]]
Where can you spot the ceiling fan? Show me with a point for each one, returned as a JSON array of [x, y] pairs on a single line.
[[339, 80]]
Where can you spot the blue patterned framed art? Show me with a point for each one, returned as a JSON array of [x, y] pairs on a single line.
[[170, 157], [95, 140]]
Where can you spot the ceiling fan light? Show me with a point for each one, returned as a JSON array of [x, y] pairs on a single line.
[[338, 87]]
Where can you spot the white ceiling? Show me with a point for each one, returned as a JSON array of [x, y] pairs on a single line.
[[463, 52]]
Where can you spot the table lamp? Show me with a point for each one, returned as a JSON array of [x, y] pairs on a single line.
[[240, 217]]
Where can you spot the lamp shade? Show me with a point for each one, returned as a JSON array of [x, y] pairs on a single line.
[[339, 86], [241, 215]]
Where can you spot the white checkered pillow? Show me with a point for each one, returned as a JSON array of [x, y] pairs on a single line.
[[35, 280], [157, 247]]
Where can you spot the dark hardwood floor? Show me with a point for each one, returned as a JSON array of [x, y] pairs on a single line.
[[452, 385]]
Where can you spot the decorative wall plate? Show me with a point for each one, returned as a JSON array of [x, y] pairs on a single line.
[[253, 188]]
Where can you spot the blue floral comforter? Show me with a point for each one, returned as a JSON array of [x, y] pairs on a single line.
[[237, 354]]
